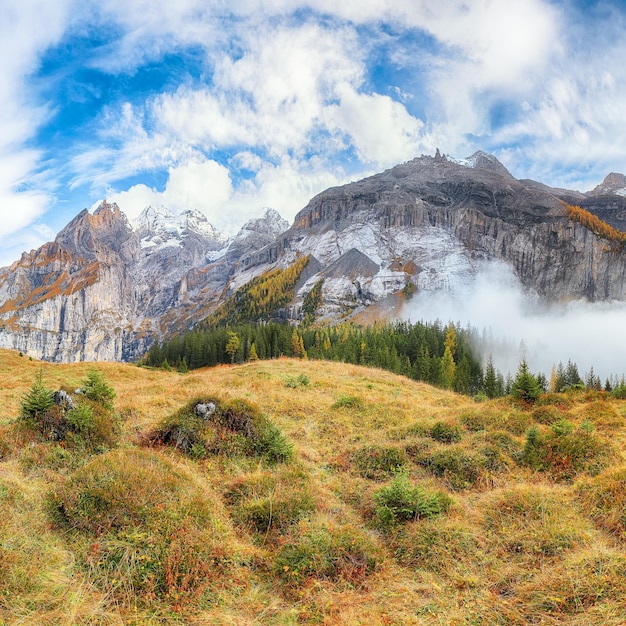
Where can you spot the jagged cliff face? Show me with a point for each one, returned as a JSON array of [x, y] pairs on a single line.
[[105, 289], [433, 222]]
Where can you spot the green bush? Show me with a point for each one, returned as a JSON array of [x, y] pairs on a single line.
[[348, 402], [324, 552], [293, 382], [565, 450], [401, 501], [229, 428], [459, 467], [378, 462], [97, 389], [265, 502], [83, 421], [445, 432], [36, 402]]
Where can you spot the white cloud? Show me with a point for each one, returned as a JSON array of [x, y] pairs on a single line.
[[27, 28], [272, 97], [201, 185], [135, 199], [381, 129], [496, 305], [286, 187], [204, 186]]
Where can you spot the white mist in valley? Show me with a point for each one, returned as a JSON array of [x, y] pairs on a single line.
[[511, 322]]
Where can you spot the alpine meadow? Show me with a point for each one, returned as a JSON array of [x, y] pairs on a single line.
[[313, 313]]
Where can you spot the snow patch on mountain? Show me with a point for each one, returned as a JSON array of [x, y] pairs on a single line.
[[161, 228]]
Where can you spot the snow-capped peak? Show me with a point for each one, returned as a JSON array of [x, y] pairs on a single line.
[[270, 223], [160, 227]]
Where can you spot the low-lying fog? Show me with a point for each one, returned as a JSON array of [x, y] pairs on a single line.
[[511, 322]]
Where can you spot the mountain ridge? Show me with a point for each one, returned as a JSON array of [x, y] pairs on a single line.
[[105, 289]]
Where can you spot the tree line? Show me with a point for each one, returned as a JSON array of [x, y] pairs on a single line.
[[594, 224], [438, 354], [442, 355]]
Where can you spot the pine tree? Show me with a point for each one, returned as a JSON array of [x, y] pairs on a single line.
[[232, 346], [37, 401], [491, 382], [450, 342], [525, 386], [572, 377], [448, 369], [253, 356]]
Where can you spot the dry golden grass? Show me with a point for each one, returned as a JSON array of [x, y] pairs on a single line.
[[299, 542]]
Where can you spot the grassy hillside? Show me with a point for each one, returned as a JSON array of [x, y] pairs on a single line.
[[310, 493]]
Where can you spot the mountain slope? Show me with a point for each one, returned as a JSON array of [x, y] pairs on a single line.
[[434, 222], [498, 534], [106, 289]]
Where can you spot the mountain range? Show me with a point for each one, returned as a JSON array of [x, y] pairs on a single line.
[[106, 288]]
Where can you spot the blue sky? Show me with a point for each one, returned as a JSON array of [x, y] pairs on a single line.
[[230, 106]]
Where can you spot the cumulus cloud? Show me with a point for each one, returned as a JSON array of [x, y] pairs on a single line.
[[207, 187], [380, 129], [201, 185], [306, 88], [510, 321]]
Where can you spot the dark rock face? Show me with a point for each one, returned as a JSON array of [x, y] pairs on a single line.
[[492, 215]]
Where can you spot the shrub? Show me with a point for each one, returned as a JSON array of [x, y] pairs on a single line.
[[293, 382], [378, 462], [445, 432], [84, 421], [401, 501], [457, 466], [97, 389], [265, 501], [36, 403], [565, 451], [144, 528], [324, 552], [348, 402], [230, 428]]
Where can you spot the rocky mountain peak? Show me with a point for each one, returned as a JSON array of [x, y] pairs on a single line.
[[159, 227], [614, 184], [269, 225], [485, 161], [89, 235]]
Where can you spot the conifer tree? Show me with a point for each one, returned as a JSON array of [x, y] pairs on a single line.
[[525, 386], [253, 356], [491, 382], [232, 347], [448, 369], [37, 401]]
